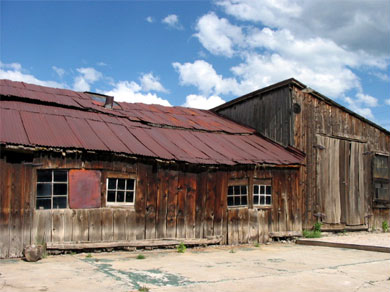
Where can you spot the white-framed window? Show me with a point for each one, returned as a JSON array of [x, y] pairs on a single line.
[[237, 196], [52, 189], [262, 195], [120, 191]]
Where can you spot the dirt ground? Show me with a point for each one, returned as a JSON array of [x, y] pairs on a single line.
[[274, 267]]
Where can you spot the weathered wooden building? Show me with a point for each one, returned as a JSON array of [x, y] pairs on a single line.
[[345, 180], [78, 167]]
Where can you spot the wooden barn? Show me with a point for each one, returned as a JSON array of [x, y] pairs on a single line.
[[81, 170], [345, 178]]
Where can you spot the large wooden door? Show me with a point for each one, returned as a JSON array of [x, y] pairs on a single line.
[[340, 180]]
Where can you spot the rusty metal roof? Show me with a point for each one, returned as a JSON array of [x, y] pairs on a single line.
[[33, 115]]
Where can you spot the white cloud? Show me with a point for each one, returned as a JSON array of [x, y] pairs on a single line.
[[217, 35], [15, 72], [202, 102], [202, 75], [357, 25], [87, 77], [101, 64], [387, 101], [60, 72], [367, 99], [172, 21], [149, 19], [130, 92], [357, 106], [149, 82]]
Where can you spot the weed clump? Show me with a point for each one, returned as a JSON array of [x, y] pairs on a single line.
[[181, 248], [385, 226], [315, 233], [140, 257]]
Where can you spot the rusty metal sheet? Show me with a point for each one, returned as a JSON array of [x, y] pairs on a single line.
[[84, 189], [62, 133], [85, 134], [107, 137], [144, 137], [127, 138], [11, 128], [38, 130]]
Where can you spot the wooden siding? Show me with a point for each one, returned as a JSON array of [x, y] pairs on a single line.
[[169, 204], [269, 113], [356, 142]]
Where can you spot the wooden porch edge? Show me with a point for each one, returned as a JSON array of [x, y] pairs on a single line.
[[148, 243], [343, 245]]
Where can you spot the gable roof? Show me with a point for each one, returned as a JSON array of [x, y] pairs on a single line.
[[293, 82], [38, 116]]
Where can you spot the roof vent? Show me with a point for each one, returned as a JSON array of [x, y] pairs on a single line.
[[109, 102]]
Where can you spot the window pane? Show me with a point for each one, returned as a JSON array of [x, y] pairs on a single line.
[[44, 176], [44, 190], [120, 196], [237, 200], [43, 203], [268, 190], [256, 189], [244, 200], [111, 196], [230, 201], [60, 175], [112, 183], [262, 200], [243, 190], [255, 200], [59, 202], [121, 184], [268, 200], [262, 189], [230, 190], [60, 189], [129, 197], [236, 190], [130, 184]]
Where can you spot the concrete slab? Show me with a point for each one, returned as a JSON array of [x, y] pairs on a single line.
[[369, 241], [275, 267]]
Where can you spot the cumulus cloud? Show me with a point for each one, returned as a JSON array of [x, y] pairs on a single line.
[[217, 35], [357, 106], [15, 72], [202, 75], [131, 92], [60, 72], [202, 102], [172, 21], [306, 18], [87, 76], [149, 19], [149, 82], [387, 101]]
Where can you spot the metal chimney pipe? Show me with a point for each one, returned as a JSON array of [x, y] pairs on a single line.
[[109, 102]]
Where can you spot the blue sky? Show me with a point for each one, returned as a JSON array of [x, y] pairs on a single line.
[[202, 53]]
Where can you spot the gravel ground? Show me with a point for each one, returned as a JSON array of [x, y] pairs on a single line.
[[361, 238]]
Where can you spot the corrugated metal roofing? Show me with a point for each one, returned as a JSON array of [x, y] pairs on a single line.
[[33, 115]]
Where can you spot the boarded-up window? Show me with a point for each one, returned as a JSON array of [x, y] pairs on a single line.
[[381, 167], [84, 189]]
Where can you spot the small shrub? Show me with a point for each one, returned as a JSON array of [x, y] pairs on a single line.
[[88, 255], [317, 226], [311, 234], [143, 289], [257, 244], [232, 251], [385, 226], [181, 248], [140, 257]]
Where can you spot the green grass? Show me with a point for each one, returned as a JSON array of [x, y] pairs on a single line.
[[143, 289], [256, 244], [140, 257], [181, 248], [232, 251], [311, 234], [88, 255], [385, 226]]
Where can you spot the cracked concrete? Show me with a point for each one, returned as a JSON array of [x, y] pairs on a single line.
[[275, 267]]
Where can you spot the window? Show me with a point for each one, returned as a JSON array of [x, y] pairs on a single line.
[[52, 189], [381, 180], [237, 196], [120, 191], [262, 195]]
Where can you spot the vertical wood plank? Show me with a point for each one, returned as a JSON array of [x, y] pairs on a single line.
[[80, 225], [15, 226], [180, 219], [200, 202], [162, 197], [151, 201], [190, 185], [58, 232], [210, 203], [172, 204], [94, 225], [5, 186], [140, 201], [130, 225], [68, 227], [107, 224], [119, 224], [253, 235]]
